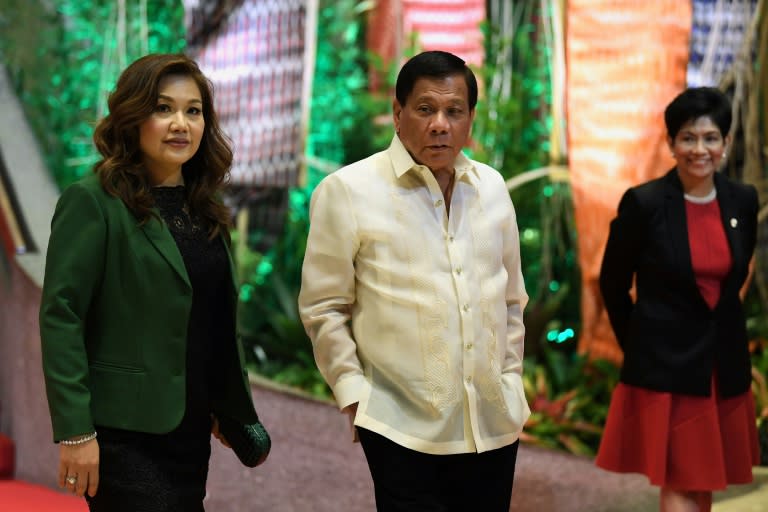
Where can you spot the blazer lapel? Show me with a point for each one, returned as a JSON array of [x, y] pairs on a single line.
[[729, 215], [160, 237]]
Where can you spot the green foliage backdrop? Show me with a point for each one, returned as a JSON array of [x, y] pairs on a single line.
[[63, 62], [512, 133], [343, 109]]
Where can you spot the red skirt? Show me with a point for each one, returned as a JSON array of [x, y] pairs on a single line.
[[679, 441]]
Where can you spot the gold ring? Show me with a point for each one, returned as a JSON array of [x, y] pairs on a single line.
[[72, 480]]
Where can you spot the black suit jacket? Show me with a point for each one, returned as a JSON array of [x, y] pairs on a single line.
[[671, 339]]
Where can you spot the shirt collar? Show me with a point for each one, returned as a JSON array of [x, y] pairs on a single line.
[[403, 162]]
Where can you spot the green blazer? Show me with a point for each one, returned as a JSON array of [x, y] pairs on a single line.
[[113, 322]]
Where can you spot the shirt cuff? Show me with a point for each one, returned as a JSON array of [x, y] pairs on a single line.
[[349, 390]]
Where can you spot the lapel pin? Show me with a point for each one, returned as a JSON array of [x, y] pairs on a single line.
[[734, 222]]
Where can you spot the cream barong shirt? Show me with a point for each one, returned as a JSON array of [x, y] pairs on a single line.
[[416, 315]]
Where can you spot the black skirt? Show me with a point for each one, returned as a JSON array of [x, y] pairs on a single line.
[[140, 472]]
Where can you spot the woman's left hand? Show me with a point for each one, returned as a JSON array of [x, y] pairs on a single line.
[[79, 468]]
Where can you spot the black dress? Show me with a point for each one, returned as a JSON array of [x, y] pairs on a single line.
[[142, 472]]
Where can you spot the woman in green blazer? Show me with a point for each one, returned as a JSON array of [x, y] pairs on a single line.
[[137, 319]]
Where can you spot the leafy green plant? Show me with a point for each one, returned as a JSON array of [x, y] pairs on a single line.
[[759, 349], [568, 395], [269, 322], [511, 133], [757, 329]]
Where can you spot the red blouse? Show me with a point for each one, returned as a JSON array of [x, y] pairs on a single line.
[[710, 253]]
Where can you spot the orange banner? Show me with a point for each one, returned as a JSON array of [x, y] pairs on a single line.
[[625, 61]]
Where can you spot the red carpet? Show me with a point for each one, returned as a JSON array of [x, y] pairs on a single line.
[[16, 496]]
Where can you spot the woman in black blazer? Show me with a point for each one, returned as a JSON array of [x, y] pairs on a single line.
[[683, 413]]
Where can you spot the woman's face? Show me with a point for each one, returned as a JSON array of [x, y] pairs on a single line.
[[171, 135], [698, 148]]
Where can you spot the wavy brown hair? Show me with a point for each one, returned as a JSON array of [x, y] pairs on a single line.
[[121, 169]]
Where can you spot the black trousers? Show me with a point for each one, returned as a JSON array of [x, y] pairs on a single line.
[[408, 481]]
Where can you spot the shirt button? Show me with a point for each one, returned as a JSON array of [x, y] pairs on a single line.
[[439, 202], [458, 271], [469, 346], [469, 379], [465, 307]]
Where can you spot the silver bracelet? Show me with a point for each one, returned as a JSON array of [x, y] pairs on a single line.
[[79, 440]]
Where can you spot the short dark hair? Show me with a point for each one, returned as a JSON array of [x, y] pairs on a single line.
[[694, 103], [434, 64]]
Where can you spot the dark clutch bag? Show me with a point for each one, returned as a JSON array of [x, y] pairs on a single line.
[[250, 442]]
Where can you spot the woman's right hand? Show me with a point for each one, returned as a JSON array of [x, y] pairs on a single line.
[[81, 462]]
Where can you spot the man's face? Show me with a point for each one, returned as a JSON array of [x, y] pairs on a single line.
[[435, 122]]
